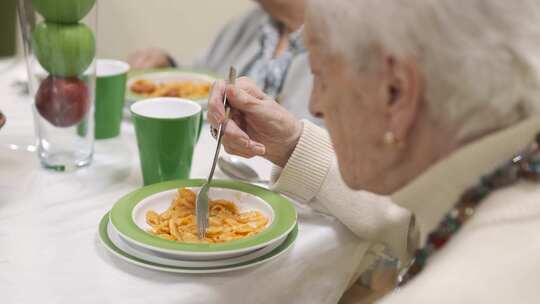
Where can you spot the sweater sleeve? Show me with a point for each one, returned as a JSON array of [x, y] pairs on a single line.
[[311, 176]]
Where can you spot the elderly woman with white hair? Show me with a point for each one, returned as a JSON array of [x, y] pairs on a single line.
[[434, 104]]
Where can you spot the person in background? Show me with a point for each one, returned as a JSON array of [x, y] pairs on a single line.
[[266, 45], [2, 119], [435, 104]]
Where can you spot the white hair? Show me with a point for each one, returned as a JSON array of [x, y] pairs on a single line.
[[480, 58]]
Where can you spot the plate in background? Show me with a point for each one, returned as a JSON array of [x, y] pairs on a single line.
[[167, 75]]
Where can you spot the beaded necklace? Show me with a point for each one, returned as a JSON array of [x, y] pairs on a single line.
[[525, 165]]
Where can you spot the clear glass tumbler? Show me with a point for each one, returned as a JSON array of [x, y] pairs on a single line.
[[60, 45]]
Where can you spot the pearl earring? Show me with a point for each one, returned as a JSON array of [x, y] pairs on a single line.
[[389, 138]]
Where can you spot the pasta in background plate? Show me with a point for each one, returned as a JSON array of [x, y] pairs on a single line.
[[182, 89]]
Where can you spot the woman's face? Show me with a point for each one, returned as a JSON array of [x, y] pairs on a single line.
[[347, 102], [358, 106]]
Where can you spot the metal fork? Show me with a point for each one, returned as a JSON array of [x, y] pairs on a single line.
[[201, 205]]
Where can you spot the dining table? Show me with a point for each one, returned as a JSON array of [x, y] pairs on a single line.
[[50, 252]]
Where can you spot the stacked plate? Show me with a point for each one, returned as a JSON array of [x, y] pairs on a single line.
[[123, 230]]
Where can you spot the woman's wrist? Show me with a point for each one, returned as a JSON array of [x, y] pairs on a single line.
[[288, 146], [305, 169]]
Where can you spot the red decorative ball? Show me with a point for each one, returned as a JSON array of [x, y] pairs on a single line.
[[63, 101]]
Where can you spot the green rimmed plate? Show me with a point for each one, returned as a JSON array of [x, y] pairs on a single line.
[[281, 249], [128, 218], [165, 75]]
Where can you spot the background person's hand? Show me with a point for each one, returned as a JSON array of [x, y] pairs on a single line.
[[149, 58], [259, 126], [2, 120]]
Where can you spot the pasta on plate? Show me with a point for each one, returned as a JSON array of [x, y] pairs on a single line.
[[226, 222], [182, 89]]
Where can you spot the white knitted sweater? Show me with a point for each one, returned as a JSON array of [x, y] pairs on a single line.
[[495, 258]]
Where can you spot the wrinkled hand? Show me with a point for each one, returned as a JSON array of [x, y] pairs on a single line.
[[149, 58], [258, 125]]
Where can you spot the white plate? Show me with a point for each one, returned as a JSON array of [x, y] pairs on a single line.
[[159, 258], [167, 75], [128, 216], [277, 252], [160, 201]]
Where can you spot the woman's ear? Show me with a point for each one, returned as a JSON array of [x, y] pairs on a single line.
[[403, 98]]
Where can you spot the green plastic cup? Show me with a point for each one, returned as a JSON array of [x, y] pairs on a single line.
[[167, 130], [111, 77], [7, 27]]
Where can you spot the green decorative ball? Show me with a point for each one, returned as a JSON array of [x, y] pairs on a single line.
[[64, 50], [63, 11]]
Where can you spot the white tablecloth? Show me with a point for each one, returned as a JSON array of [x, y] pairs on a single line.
[[50, 253]]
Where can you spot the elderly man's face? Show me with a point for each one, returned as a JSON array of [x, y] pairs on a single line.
[[359, 107]]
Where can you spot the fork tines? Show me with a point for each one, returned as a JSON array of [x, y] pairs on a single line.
[[201, 212]]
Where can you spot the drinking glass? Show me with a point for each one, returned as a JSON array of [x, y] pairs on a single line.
[[60, 44]]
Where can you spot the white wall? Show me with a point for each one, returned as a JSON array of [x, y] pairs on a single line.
[[184, 27]]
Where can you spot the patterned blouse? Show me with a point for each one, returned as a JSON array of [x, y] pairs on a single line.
[[268, 72]]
